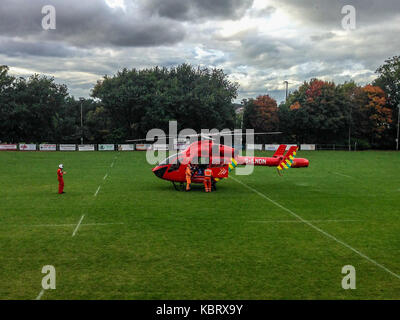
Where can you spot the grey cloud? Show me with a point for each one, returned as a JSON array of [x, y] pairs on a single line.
[[324, 36], [87, 23], [46, 49], [198, 9], [327, 13], [92, 39]]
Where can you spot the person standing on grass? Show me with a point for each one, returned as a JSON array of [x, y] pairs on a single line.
[[207, 179], [188, 174], [60, 177]]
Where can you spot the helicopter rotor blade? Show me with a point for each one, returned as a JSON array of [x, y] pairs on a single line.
[[207, 136]]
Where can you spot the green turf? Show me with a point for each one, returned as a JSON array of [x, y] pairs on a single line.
[[230, 244]]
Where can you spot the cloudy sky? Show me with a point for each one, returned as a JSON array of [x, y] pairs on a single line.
[[259, 43]]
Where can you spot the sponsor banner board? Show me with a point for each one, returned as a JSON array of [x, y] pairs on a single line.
[[67, 147], [86, 147], [143, 147], [274, 147], [160, 147], [271, 147], [307, 147], [27, 147], [254, 146], [8, 147], [47, 147], [181, 143], [126, 147], [106, 147]]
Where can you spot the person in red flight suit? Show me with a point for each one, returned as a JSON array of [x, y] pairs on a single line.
[[207, 179], [60, 174]]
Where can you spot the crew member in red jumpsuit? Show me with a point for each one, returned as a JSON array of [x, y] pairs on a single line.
[[207, 179], [60, 174]]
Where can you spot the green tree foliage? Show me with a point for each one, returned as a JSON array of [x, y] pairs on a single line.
[[39, 110], [315, 112], [139, 100], [31, 111], [6, 100], [389, 80]]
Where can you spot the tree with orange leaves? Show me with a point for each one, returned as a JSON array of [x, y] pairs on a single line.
[[261, 114], [371, 116]]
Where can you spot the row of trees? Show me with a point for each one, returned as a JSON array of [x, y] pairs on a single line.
[[124, 106], [323, 112], [136, 101], [130, 103], [38, 110]]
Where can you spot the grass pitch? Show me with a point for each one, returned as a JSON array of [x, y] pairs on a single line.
[[141, 239]]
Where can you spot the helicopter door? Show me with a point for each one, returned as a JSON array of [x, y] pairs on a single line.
[[220, 171]]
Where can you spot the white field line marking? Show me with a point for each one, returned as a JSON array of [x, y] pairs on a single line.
[[77, 227], [112, 164], [49, 225], [105, 177], [98, 189], [319, 229], [343, 175], [69, 225], [101, 224], [297, 221], [40, 295]]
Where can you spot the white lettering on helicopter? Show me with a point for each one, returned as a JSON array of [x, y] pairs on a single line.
[[260, 161], [255, 161]]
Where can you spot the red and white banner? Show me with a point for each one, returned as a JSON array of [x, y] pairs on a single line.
[[143, 147], [47, 147], [27, 147], [8, 147]]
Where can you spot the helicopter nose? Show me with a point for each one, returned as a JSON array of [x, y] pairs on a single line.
[[160, 171]]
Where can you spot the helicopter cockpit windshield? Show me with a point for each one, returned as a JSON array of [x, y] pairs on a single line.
[[170, 160]]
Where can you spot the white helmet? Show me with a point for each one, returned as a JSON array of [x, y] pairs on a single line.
[[61, 166]]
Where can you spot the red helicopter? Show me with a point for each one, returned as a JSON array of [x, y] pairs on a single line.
[[222, 160]]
